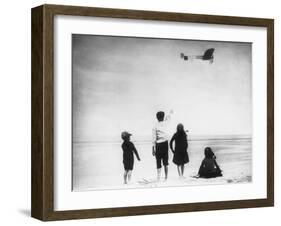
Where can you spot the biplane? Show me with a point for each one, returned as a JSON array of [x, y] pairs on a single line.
[[208, 55]]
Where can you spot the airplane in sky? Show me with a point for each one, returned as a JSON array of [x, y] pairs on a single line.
[[208, 55]]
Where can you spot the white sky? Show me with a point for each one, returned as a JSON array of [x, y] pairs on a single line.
[[120, 83]]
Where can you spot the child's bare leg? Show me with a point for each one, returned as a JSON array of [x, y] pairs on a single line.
[[182, 170], [158, 173], [166, 172], [129, 175], [125, 176], [179, 170]]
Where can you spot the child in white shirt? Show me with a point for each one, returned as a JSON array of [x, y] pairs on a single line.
[[160, 143]]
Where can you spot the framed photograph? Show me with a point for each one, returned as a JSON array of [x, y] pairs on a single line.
[[141, 112]]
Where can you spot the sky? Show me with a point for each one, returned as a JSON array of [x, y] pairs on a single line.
[[119, 83]]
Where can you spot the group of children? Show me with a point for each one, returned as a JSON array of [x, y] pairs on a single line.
[[160, 147]]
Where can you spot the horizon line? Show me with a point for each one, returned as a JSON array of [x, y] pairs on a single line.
[[201, 137]]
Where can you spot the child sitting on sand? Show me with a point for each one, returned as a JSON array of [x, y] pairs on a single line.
[[128, 155], [180, 152], [209, 167]]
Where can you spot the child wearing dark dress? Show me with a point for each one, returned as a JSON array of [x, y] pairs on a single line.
[[209, 167], [180, 152], [129, 150]]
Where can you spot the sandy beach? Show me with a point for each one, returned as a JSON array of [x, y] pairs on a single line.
[[99, 165]]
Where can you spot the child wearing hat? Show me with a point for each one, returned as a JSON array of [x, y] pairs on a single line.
[[129, 150]]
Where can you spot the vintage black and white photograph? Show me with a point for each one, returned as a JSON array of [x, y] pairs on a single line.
[[157, 112]]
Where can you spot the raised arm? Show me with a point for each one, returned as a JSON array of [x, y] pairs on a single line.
[[169, 116]]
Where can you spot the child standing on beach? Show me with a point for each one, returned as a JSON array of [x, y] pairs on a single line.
[[180, 152], [129, 150], [209, 167], [160, 144]]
